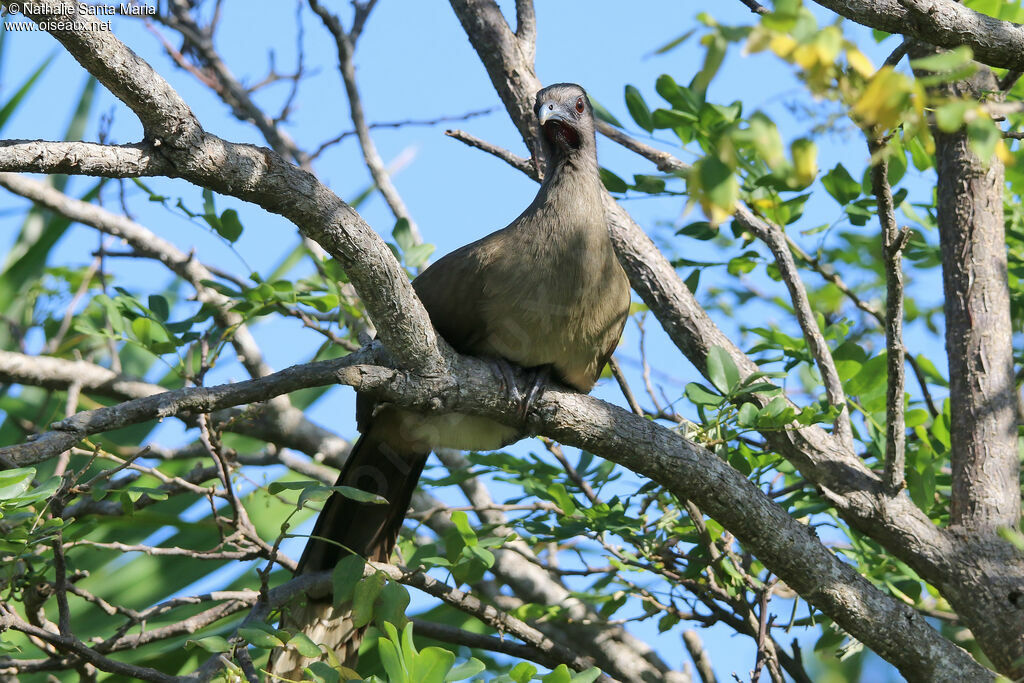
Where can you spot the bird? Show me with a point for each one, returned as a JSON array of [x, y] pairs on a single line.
[[546, 293]]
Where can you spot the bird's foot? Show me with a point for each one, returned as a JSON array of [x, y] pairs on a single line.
[[538, 379], [503, 369]]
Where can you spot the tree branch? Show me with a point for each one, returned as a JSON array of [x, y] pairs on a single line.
[[773, 236], [893, 241], [943, 23]]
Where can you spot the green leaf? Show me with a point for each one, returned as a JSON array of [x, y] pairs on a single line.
[[716, 45], [392, 603], [210, 643], [522, 672], [230, 228], [417, 255], [347, 573], [391, 661], [364, 597], [12, 104], [672, 118], [465, 529], [748, 415], [161, 309], [674, 43], [359, 495], [950, 116], [1013, 536], [683, 100], [467, 669], [701, 396], [304, 645], [945, 61], [983, 135], [722, 370], [603, 114], [922, 487], [648, 183], [612, 182], [717, 188], [638, 108], [431, 665], [840, 184], [403, 234], [871, 377], [692, 280], [587, 676], [562, 499], [776, 407], [324, 673], [15, 482], [560, 674], [700, 230], [260, 636]]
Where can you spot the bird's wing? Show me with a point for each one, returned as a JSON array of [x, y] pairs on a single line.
[[451, 290]]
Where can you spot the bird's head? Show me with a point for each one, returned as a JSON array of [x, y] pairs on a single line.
[[566, 120]]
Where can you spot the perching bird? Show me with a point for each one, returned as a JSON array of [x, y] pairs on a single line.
[[546, 292]]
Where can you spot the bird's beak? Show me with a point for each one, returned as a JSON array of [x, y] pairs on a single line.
[[549, 111]]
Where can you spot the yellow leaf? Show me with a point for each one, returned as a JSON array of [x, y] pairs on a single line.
[[1003, 152], [886, 100], [859, 62], [805, 160], [782, 45]]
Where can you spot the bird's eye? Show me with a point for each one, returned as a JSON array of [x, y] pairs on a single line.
[[579, 105]]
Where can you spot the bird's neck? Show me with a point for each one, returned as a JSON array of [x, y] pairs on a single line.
[[572, 175]]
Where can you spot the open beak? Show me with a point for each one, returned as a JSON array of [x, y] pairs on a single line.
[[551, 112]]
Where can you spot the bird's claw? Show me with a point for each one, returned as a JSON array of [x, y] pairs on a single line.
[[504, 371], [538, 380]]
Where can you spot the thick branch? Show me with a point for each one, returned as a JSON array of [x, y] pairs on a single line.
[[70, 431], [943, 23], [508, 59], [83, 158], [70, 644], [979, 330], [786, 547]]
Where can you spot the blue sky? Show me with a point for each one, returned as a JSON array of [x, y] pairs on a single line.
[[414, 62]]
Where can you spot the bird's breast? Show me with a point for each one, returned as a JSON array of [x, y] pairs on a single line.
[[567, 310]]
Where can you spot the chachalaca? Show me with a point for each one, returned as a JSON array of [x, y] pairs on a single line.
[[546, 292]]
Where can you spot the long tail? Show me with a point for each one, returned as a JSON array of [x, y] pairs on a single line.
[[378, 463]]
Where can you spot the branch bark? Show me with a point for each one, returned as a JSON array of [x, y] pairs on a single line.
[[943, 23], [983, 429], [893, 242]]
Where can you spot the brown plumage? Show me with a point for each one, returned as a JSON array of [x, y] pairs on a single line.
[[545, 292]]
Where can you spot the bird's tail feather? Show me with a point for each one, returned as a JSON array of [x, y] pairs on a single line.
[[378, 463]]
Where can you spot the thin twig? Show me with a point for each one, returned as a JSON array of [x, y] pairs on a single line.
[[402, 124], [893, 242], [756, 7], [345, 44], [775, 238], [624, 386], [508, 157]]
